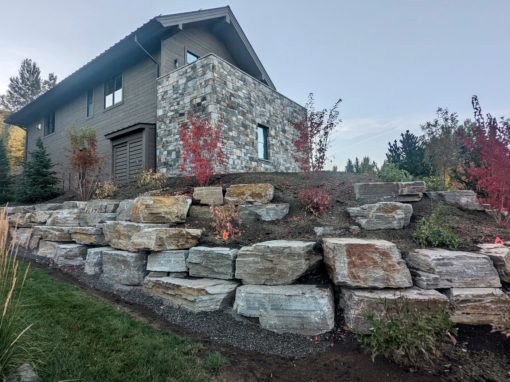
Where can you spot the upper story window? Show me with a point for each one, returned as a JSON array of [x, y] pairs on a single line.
[[263, 142], [113, 91], [190, 57], [90, 103], [49, 124]]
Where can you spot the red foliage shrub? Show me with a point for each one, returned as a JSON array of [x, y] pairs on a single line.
[[313, 136], [202, 149], [225, 221], [491, 142], [316, 200]]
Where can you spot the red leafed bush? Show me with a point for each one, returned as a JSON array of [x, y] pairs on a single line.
[[491, 143], [315, 200], [202, 149]]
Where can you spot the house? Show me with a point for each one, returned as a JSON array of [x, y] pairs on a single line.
[[137, 93]]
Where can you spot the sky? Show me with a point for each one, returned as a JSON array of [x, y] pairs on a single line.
[[392, 62]]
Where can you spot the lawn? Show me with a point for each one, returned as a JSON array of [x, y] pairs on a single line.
[[79, 337]]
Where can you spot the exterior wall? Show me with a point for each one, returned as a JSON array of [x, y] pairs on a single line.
[[225, 93], [198, 40], [138, 106]]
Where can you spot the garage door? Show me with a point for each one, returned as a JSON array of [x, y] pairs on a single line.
[[128, 158]]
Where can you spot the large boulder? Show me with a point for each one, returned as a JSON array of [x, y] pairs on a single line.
[[463, 199], [389, 192], [70, 255], [167, 261], [94, 260], [210, 196], [125, 210], [39, 217], [48, 206], [359, 304], [265, 212], [65, 218], [300, 309], [72, 204], [500, 256], [52, 233], [250, 193], [95, 219], [123, 267], [47, 249], [197, 295], [103, 206], [160, 209], [165, 239], [440, 268], [21, 220], [118, 234], [21, 236], [201, 213], [382, 215], [212, 262], [479, 306], [364, 263], [276, 262], [87, 235]]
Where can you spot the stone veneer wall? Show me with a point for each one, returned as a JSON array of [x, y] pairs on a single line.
[[222, 92]]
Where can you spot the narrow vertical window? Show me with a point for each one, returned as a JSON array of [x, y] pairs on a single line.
[[49, 124], [90, 103], [113, 91], [263, 144], [190, 57]]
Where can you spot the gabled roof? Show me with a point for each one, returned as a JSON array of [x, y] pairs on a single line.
[[126, 52]]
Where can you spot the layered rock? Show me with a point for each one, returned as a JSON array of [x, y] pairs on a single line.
[[167, 261], [39, 217], [394, 192], [65, 218], [197, 295], [21, 236], [165, 239], [265, 212], [250, 193], [47, 249], [118, 234], [52, 233], [382, 215], [70, 255], [463, 199], [440, 268], [217, 262], [276, 262], [96, 218], [299, 309], [479, 306], [210, 196], [500, 256], [87, 235], [94, 260], [364, 263], [48, 207], [160, 209], [123, 267], [359, 304], [125, 210], [71, 204], [202, 213], [103, 206]]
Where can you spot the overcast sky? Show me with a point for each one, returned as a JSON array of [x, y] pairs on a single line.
[[393, 62]]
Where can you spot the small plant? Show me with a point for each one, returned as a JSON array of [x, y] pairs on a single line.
[[151, 178], [430, 231], [405, 334], [390, 172], [315, 200], [226, 221], [437, 183], [214, 362], [105, 190]]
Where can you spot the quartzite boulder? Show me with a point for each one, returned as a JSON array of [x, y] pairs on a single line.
[[39, 217], [71, 204], [212, 262], [500, 256], [389, 192], [103, 206], [439, 268], [383, 215], [124, 267], [47, 249], [208, 195], [52, 233], [96, 218], [94, 260], [167, 261], [70, 255], [87, 235], [160, 209], [479, 306], [463, 199], [125, 210], [300, 309], [265, 212], [165, 239], [197, 295], [364, 263], [21, 236], [48, 206], [65, 218], [118, 234], [250, 193], [276, 262], [359, 304]]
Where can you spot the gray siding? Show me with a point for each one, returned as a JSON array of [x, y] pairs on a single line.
[[198, 40]]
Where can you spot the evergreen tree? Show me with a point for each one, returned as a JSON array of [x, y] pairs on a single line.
[[368, 166], [349, 168], [26, 87], [408, 154], [5, 182], [357, 168], [40, 180]]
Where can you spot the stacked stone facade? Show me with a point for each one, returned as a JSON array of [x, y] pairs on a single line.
[[224, 94]]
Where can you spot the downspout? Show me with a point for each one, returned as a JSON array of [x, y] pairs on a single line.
[[147, 53]]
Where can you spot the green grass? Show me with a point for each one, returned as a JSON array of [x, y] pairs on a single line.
[[82, 338]]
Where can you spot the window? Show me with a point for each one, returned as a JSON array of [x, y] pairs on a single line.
[[49, 124], [113, 91], [90, 103], [191, 57], [263, 146]]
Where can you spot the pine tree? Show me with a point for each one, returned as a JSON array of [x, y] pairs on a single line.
[[5, 182], [409, 154], [357, 167], [40, 180], [349, 168], [26, 87]]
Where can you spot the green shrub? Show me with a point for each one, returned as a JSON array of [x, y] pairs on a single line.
[[431, 231], [214, 362], [436, 183], [405, 334], [390, 172]]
